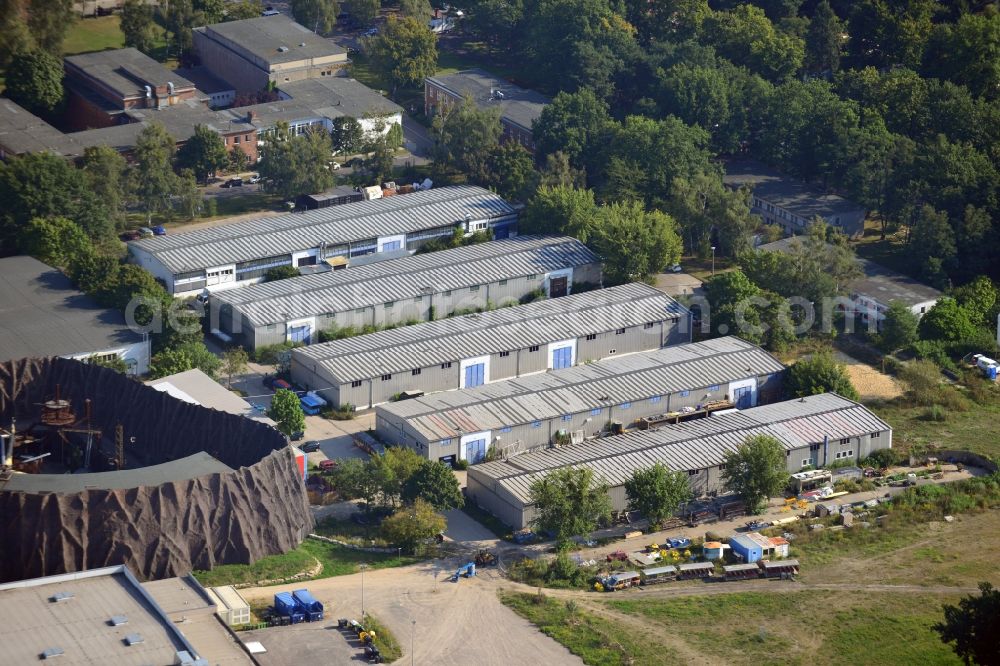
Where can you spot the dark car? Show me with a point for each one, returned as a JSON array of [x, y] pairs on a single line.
[[296, 436], [159, 230], [131, 235], [310, 446], [233, 182]]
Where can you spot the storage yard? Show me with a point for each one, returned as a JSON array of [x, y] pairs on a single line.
[[479, 348], [577, 403]]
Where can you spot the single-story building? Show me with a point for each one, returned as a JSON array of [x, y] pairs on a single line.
[[878, 287], [43, 314], [825, 423], [791, 203], [409, 289], [579, 403], [479, 348], [241, 253], [197, 388], [753, 547]]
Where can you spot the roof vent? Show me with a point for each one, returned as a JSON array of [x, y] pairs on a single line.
[[52, 653], [282, 49], [61, 596], [134, 639], [302, 43], [118, 620]]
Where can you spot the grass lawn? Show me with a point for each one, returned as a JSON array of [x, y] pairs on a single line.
[[469, 55], [891, 252], [336, 560], [702, 268], [586, 635], [794, 627], [94, 34]]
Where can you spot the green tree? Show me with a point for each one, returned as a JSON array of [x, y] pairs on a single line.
[[708, 212], [347, 135], [286, 411], [355, 478], [435, 483], [745, 35], [138, 26], [293, 165], [574, 124], [728, 295], [511, 171], [188, 196], [819, 373], [404, 52], [464, 138], [558, 172], [116, 363], [179, 18], [633, 242], [152, 174], [756, 471], [54, 240], [823, 42], [105, 173], [932, 245], [14, 28], [243, 9], [235, 361], [972, 626], [238, 161], [656, 492], [320, 16], [34, 80], [967, 53], [413, 525], [979, 299], [281, 273], [890, 32], [204, 153], [899, 327], [420, 10], [186, 357], [48, 21], [363, 11], [561, 210], [569, 501], [947, 321], [496, 22]]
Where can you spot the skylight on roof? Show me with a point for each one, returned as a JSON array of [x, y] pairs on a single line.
[[134, 639]]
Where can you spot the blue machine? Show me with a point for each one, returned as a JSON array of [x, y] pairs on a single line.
[[285, 604], [313, 609]]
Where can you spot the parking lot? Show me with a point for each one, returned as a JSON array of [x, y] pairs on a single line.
[[302, 643]]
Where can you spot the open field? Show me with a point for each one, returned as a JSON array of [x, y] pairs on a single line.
[[870, 383], [335, 560], [94, 34]]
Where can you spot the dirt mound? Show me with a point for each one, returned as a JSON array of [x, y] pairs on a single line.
[[259, 508]]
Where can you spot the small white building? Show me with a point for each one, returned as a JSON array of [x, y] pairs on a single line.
[[230, 605]]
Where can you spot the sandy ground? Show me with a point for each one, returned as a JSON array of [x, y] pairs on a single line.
[[452, 624], [870, 383]]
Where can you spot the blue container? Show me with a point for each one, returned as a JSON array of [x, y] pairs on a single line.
[[285, 604], [313, 609]]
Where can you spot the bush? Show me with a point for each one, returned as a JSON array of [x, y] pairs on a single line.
[[461, 464], [882, 458], [532, 296], [270, 354], [935, 413], [923, 381]]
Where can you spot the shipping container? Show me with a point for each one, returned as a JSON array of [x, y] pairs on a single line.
[[285, 605], [313, 609]]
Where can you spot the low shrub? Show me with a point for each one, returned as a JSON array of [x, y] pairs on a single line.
[[935, 413]]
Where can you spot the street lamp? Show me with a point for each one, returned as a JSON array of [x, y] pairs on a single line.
[[413, 626], [363, 567], [713, 260]]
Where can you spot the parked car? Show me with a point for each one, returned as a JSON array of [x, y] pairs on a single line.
[[335, 165], [310, 446], [145, 232], [159, 230], [296, 436], [676, 268], [254, 179], [233, 182], [327, 465], [130, 235], [677, 542]]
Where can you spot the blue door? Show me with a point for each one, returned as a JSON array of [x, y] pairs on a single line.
[[562, 358], [743, 397], [475, 450], [475, 375], [301, 334], [392, 245], [501, 232]]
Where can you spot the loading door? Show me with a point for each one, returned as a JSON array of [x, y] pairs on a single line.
[[300, 334], [557, 286], [562, 358], [475, 375], [743, 397], [475, 450]]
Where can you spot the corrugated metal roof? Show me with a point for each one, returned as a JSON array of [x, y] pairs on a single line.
[[687, 446], [408, 277], [519, 327], [573, 390], [282, 234]]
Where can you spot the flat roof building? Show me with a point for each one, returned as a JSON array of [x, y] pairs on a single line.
[[581, 402], [107, 616], [409, 289], [791, 203], [43, 314], [197, 388], [816, 430], [252, 53], [877, 288], [519, 108], [238, 254], [474, 349]]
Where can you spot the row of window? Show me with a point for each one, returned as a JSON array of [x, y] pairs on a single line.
[[844, 454]]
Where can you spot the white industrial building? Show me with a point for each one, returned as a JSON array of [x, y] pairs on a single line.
[[411, 289], [474, 349], [816, 430], [577, 403], [241, 253]]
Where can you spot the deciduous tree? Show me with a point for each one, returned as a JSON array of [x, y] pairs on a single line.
[[105, 173], [824, 41], [286, 411], [362, 11], [138, 26], [756, 471], [235, 361], [34, 80], [511, 171], [48, 21], [153, 177], [656, 492], [417, 9], [347, 135], [569, 502], [972, 626], [819, 373], [14, 28], [412, 525], [292, 165], [435, 483], [186, 357], [561, 210], [633, 242], [204, 153], [54, 240], [404, 52], [899, 327], [320, 16], [464, 138], [574, 124], [281, 273], [947, 321]]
